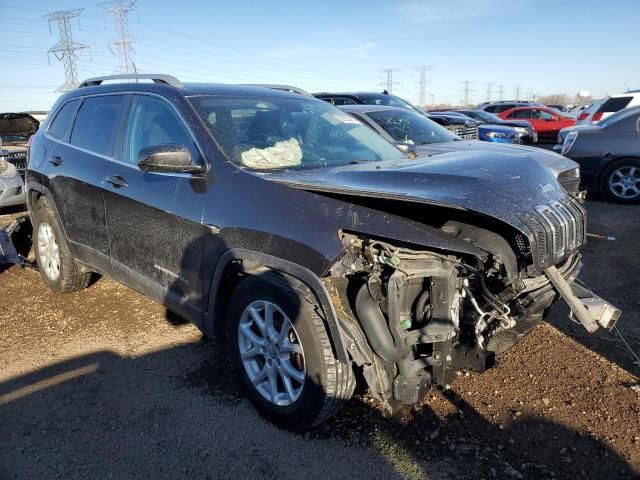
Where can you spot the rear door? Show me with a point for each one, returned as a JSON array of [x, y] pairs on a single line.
[[76, 167], [154, 248]]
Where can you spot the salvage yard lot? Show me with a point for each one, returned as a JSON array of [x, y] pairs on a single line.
[[103, 384]]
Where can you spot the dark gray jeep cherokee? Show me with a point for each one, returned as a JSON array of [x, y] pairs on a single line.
[[308, 240]]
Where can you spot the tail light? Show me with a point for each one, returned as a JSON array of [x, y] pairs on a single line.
[[597, 116], [583, 116]]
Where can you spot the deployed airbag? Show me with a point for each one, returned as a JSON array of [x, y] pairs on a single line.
[[286, 153]]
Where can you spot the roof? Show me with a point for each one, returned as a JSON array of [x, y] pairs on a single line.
[[172, 85]]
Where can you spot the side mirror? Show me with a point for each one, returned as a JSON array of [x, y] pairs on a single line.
[[167, 158], [407, 149]]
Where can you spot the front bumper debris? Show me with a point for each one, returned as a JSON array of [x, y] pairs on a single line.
[[15, 242], [587, 307]]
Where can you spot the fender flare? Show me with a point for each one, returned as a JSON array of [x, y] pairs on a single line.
[[253, 261]]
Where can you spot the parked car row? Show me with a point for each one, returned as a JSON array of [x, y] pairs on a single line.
[[303, 234]]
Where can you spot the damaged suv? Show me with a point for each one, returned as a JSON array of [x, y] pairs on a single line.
[[308, 240]]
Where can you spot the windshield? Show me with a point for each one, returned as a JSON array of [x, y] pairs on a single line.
[[405, 126], [273, 132]]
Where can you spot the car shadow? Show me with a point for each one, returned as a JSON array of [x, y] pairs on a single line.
[[180, 413]]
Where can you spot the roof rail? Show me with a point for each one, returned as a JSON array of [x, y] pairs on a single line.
[[157, 78], [285, 88]]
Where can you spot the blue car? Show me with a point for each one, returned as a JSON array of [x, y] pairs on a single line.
[[498, 134]]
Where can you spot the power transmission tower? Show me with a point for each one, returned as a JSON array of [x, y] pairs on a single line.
[[489, 86], [518, 92], [123, 41], [466, 90], [500, 91], [65, 50], [389, 82], [423, 84]]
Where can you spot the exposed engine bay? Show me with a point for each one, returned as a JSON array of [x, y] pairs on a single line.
[[417, 317]]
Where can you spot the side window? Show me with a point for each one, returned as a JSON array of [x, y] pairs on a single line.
[[60, 124], [542, 115], [151, 121], [97, 123], [492, 109], [521, 114]]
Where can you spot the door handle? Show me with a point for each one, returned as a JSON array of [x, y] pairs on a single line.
[[56, 161], [116, 180]]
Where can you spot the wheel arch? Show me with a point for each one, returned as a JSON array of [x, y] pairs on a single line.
[[272, 269]]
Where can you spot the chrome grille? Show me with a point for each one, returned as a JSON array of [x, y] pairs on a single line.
[[467, 132], [18, 159], [565, 224]]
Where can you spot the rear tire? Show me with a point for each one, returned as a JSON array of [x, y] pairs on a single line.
[[56, 264], [621, 181], [319, 383]]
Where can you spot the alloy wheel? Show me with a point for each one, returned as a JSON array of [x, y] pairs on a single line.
[[48, 251], [624, 182], [271, 353]]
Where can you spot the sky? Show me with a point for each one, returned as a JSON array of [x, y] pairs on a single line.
[[544, 46]]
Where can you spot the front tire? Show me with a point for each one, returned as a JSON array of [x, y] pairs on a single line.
[[282, 352], [621, 181], [56, 264]]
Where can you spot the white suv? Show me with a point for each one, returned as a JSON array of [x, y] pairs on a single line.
[[601, 109]]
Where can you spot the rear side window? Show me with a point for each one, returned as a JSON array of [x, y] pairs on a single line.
[[615, 104], [60, 124], [96, 123], [492, 109]]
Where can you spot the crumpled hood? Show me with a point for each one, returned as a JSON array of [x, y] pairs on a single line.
[[556, 163], [499, 185]]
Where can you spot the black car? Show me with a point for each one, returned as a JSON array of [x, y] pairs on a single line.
[[427, 137], [460, 125], [500, 106], [608, 153], [365, 98], [524, 128], [314, 244]]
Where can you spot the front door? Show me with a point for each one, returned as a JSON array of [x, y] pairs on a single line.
[[153, 247]]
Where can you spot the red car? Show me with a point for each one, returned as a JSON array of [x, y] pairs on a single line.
[[547, 122]]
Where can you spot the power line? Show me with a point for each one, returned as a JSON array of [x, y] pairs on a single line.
[[123, 41], [489, 86], [389, 81], [466, 91], [423, 84], [66, 48]]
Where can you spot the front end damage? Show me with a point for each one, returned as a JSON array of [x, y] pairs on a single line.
[[415, 317]]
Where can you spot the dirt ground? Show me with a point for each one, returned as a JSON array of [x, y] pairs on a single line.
[[101, 384]]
